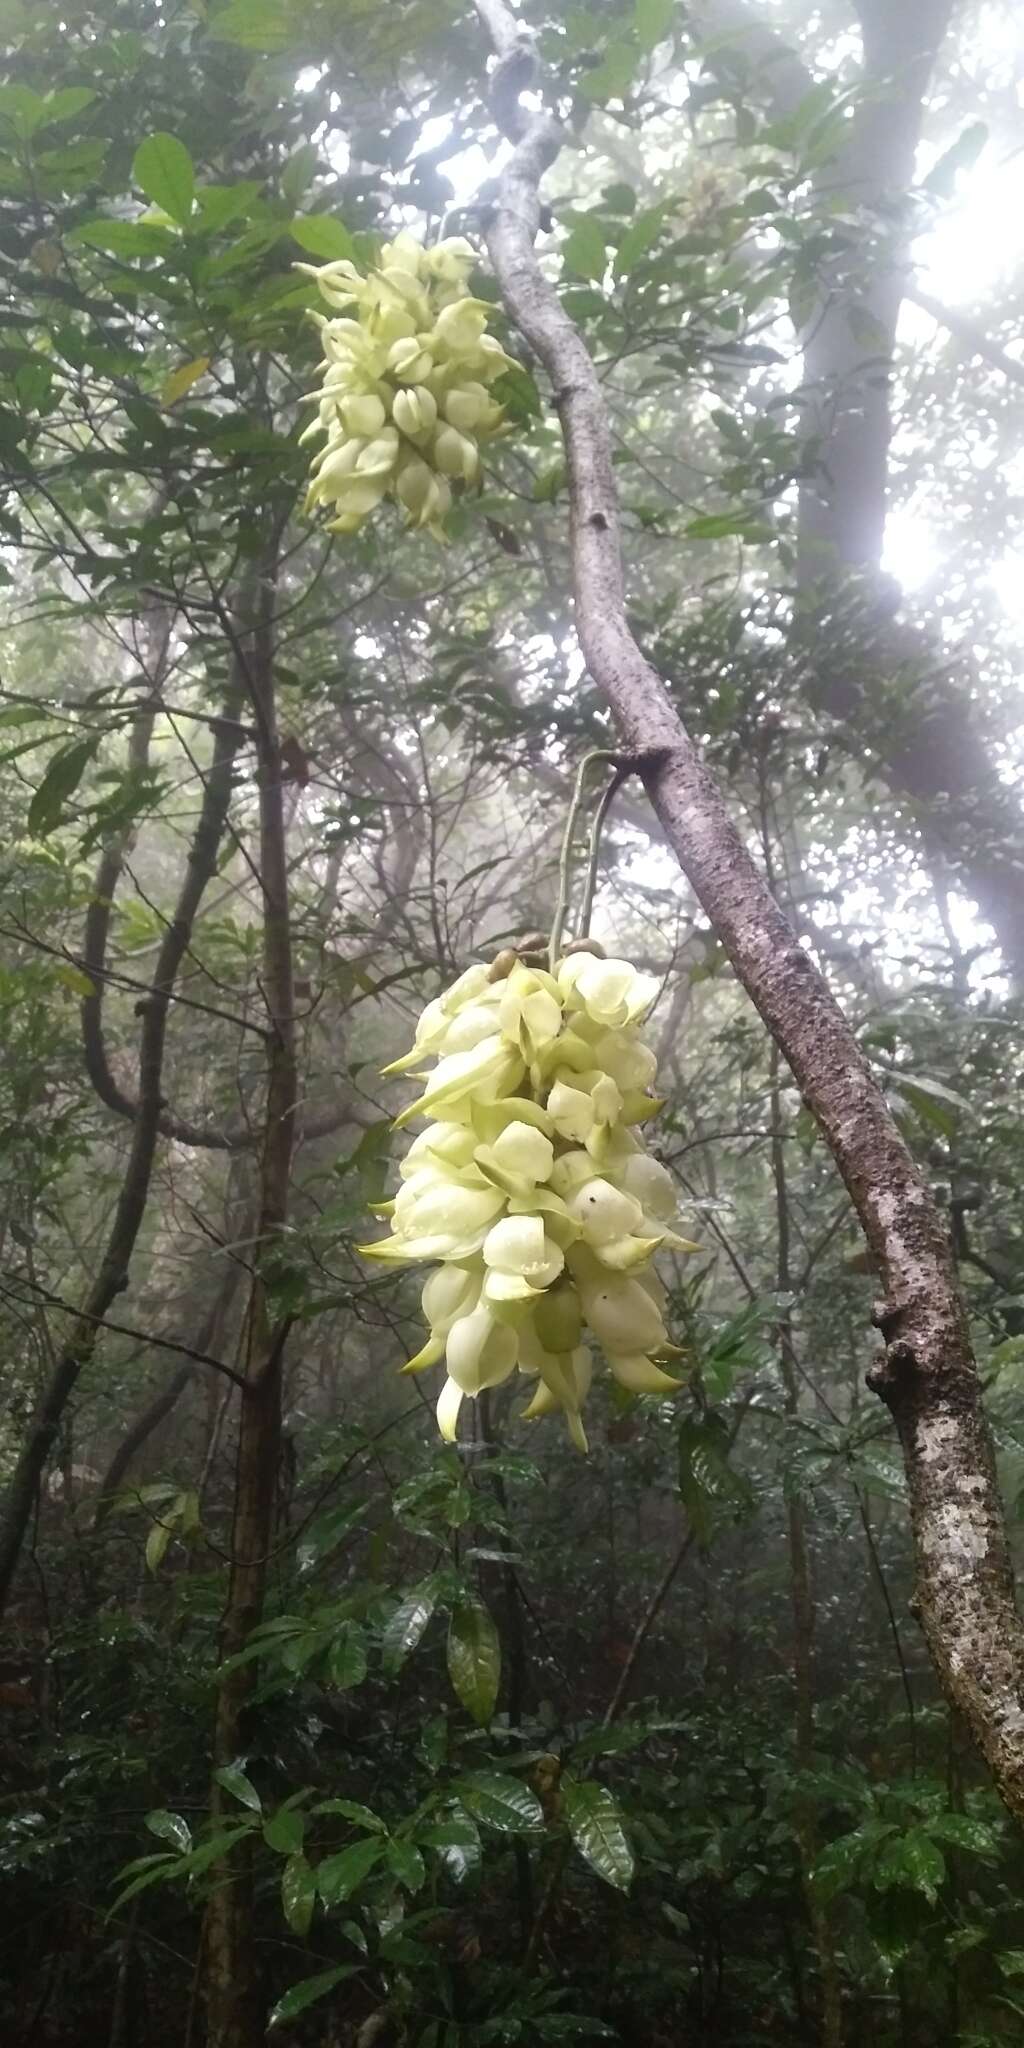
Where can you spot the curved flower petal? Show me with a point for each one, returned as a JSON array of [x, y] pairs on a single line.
[[641, 1376], [448, 1405], [481, 1352], [491, 1066], [612, 991], [650, 1183], [430, 1354], [623, 1317], [518, 1245], [604, 1211]]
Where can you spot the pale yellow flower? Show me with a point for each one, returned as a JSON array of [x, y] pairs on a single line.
[[530, 1187]]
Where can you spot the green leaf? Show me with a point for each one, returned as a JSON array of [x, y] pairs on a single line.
[[653, 21], [220, 204], [840, 1864], [584, 253], [306, 1992], [641, 235], [163, 169], [611, 79], [474, 1659], [156, 1545], [915, 1861], [234, 1780], [322, 235], [708, 1486], [964, 1833], [457, 1840], [595, 1825], [285, 1831], [182, 379], [350, 1809], [64, 105], [406, 1864], [169, 1827], [501, 1803], [337, 1877], [214, 1849], [62, 778], [21, 110], [346, 1658], [145, 1871], [125, 237], [965, 151], [327, 1532], [719, 525], [298, 1893], [406, 1626], [22, 714], [924, 1093], [253, 25]]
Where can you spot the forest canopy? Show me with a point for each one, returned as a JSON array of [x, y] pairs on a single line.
[[508, 534]]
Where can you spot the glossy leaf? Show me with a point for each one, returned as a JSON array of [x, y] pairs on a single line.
[[346, 1657], [350, 1809], [306, 1993], [405, 1627], [406, 1864], [500, 1803], [298, 1893], [337, 1877], [285, 1831], [456, 1838], [234, 1780], [156, 1544], [474, 1659], [913, 1860], [170, 1827], [596, 1827]]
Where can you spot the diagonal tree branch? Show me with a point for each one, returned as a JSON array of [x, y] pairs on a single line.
[[927, 1374]]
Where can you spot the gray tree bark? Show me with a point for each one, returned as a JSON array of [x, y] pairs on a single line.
[[927, 1373]]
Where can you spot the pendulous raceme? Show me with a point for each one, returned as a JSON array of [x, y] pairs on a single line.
[[405, 401], [531, 1188]]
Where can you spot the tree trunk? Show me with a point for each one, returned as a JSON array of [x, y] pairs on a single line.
[[927, 1375], [112, 1276], [234, 2007], [928, 742], [803, 1609], [208, 1335]]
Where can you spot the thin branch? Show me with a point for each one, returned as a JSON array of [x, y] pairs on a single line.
[[69, 1308], [927, 1374]]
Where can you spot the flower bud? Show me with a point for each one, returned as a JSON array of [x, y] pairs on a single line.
[[459, 326], [379, 456], [415, 410], [558, 1317], [363, 415], [465, 405], [456, 454]]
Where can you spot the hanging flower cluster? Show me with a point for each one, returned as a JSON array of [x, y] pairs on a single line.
[[530, 1187], [405, 400]]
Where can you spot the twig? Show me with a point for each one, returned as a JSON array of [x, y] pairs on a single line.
[[126, 1330]]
